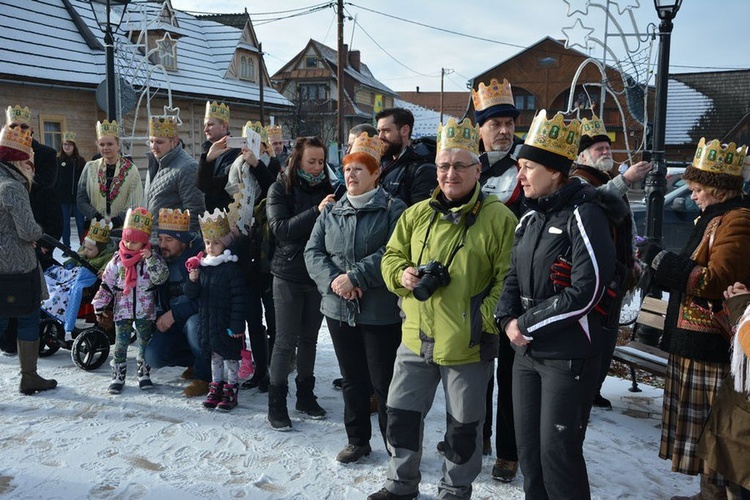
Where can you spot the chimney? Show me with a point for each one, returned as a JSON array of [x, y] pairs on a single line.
[[345, 55], [354, 59], [417, 89]]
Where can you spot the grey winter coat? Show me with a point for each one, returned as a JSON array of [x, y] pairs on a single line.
[[352, 241], [173, 186]]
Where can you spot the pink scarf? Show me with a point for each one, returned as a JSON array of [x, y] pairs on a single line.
[[129, 259]]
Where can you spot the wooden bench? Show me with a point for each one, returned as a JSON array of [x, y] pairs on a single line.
[[638, 355]]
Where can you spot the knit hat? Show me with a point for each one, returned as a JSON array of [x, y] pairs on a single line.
[[552, 143], [138, 223], [493, 100], [717, 166], [15, 144], [592, 131], [175, 223]]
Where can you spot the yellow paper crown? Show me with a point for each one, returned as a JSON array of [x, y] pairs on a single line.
[[592, 127], [162, 126], [220, 111], [554, 135], [107, 128], [174, 220], [462, 135], [69, 137], [99, 231], [372, 146], [139, 219], [17, 114], [215, 225], [274, 133], [258, 128], [15, 144], [492, 95], [718, 159]]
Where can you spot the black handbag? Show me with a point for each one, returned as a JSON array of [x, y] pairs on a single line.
[[20, 294]]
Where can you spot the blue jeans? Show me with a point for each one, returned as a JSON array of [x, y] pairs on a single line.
[[84, 279], [179, 346], [28, 326], [68, 210]]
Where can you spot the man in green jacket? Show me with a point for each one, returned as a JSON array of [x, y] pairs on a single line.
[[446, 259]]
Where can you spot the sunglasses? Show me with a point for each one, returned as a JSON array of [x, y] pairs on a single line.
[[23, 126]]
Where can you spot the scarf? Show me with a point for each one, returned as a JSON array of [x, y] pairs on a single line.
[[312, 180], [129, 259]]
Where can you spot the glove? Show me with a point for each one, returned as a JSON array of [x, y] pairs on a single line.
[[650, 252], [560, 273]]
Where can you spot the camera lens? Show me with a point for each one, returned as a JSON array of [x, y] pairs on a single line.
[[425, 288]]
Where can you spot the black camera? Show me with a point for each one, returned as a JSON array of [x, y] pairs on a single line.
[[432, 276]]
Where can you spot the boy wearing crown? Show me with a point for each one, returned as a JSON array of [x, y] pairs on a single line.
[[218, 285], [128, 282]]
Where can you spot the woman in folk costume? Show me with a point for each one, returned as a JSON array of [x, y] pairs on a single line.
[[111, 185], [713, 258]]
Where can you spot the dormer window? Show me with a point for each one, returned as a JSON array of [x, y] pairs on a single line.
[[311, 62], [167, 52], [247, 68]]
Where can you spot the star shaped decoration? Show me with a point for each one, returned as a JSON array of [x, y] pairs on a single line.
[[166, 45], [626, 5], [173, 112], [574, 6], [577, 35]]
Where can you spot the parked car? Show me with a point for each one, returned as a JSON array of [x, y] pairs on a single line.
[[679, 216]]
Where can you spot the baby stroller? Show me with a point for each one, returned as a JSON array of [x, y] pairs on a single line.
[[90, 346]]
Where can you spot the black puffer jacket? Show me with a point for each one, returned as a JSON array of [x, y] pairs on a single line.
[[410, 178], [291, 217], [563, 324]]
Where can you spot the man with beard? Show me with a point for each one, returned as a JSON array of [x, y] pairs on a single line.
[[216, 158], [404, 173]]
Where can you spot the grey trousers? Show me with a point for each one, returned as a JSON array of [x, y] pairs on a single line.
[[410, 398]]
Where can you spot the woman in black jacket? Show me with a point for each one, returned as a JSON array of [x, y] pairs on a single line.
[[70, 164], [554, 329], [293, 205]]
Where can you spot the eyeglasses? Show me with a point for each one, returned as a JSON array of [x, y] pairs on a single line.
[[23, 126], [458, 167]]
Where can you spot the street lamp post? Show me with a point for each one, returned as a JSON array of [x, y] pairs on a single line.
[[109, 14], [656, 182]]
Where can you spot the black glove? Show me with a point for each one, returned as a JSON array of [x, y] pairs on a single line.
[[649, 253], [560, 272]]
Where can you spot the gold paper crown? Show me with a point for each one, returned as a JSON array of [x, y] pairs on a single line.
[[99, 231], [15, 144], [372, 146], [492, 95], [107, 128], [220, 111], [592, 127], [715, 158], [274, 133], [69, 137], [462, 135], [162, 126], [139, 219], [258, 128], [17, 114], [554, 135], [215, 225], [174, 220]]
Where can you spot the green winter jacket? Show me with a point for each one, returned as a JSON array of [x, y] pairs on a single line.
[[457, 320]]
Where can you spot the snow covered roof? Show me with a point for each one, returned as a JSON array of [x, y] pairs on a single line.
[[426, 121], [363, 76]]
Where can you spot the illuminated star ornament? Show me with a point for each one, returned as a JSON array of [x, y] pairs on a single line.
[[574, 6], [626, 5], [577, 35]]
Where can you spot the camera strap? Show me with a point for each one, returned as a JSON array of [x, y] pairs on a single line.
[[469, 219]]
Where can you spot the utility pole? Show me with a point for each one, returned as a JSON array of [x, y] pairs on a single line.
[[442, 81], [340, 76], [261, 78]]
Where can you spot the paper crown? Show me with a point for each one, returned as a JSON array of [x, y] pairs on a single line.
[[17, 114], [220, 111], [493, 94], [258, 128], [274, 133], [99, 231], [69, 137], [372, 146], [15, 144], [718, 159], [174, 220], [162, 126], [592, 131], [215, 225], [554, 135], [138, 219], [107, 128], [462, 135]]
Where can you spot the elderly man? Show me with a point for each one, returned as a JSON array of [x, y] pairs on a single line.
[[446, 260], [405, 174], [170, 181], [176, 341], [217, 157]]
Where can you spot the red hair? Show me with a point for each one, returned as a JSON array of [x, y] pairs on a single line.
[[367, 160]]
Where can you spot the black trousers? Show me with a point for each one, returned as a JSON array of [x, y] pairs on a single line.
[[366, 354], [505, 435]]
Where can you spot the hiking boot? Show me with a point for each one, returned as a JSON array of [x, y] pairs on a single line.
[[504, 470], [187, 374], [601, 402], [144, 375], [306, 400], [215, 393], [352, 453], [119, 370], [384, 494], [229, 399], [196, 388], [278, 416]]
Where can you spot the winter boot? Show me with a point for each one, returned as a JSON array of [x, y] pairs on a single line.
[[215, 393], [119, 370], [229, 399], [277, 413], [306, 400], [31, 382], [144, 375], [246, 365]]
